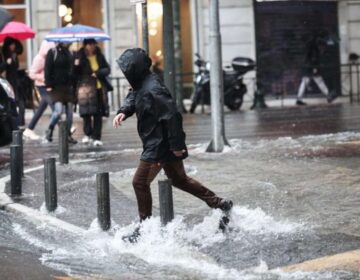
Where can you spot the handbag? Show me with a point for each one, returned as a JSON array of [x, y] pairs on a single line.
[[86, 91]]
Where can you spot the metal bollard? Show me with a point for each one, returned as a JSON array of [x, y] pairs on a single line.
[[15, 172], [166, 202], [17, 139], [50, 184], [103, 200], [63, 143]]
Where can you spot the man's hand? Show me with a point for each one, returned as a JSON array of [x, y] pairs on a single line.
[[179, 153], [48, 89], [118, 120]]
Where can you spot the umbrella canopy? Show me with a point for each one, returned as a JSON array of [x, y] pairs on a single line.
[[5, 17], [75, 33], [16, 30]]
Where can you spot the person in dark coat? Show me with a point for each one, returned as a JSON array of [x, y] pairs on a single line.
[[91, 70], [12, 48], [160, 129], [8, 113], [59, 78], [314, 49]]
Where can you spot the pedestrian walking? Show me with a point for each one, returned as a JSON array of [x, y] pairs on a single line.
[[92, 70], [36, 73], [160, 129], [59, 78], [12, 48], [314, 49]]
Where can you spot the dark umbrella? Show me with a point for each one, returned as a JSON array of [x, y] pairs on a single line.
[[5, 17]]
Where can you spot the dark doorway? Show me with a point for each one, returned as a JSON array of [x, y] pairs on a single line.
[[283, 29]]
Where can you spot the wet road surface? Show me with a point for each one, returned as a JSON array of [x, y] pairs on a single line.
[[295, 197]]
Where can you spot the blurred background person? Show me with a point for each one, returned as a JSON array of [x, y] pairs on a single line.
[[314, 50], [37, 74], [59, 78], [92, 69], [12, 48]]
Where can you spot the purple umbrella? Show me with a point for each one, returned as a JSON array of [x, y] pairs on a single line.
[[75, 33]]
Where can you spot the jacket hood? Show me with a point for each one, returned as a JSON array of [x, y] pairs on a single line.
[[45, 47], [135, 64]]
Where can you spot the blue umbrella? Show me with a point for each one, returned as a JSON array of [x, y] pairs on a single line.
[[75, 33]]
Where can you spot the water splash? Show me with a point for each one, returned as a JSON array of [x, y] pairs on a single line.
[[59, 210]]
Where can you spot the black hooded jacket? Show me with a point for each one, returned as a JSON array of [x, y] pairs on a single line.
[[159, 123]]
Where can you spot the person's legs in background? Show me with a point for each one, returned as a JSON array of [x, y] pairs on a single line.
[[87, 127], [97, 130], [45, 100], [69, 108], [323, 88], [58, 107], [304, 83]]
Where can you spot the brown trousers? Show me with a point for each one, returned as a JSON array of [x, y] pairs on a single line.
[[146, 173]]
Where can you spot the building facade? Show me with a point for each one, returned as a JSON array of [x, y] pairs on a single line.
[[121, 21]]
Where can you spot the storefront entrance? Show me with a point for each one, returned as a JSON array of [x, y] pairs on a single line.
[[283, 29]]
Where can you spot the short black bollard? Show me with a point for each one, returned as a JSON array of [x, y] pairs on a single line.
[[50, 184], [166, 202], [63, 143], [103, 200], [17, 139], [15, 172]]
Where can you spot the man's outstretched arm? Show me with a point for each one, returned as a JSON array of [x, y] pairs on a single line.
[[125, 111]]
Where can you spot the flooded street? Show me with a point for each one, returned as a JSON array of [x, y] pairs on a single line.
[[294, 201]]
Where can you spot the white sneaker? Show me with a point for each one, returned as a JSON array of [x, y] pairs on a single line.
[[72, 130], [86, 140], [30, 134], [97, 143]]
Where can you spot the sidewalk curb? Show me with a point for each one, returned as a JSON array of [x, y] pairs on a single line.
[[347, 260], [33, 215]]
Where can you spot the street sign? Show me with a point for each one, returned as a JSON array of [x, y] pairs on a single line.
[[134, 2]]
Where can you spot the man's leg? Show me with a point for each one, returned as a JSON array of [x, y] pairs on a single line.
[[304, 82], [87, 127], [321, 84], [145, 174], [176, 172], [97, 126], [41, 108]]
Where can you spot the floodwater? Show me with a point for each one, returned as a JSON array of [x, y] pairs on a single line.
[[295, 199]]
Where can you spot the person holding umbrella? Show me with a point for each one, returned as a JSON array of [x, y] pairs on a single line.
[[59, 78], [91, 69]]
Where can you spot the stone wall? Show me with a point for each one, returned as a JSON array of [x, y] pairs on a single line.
[[237, 28], [44, 18], [123, 29], [349, 28]]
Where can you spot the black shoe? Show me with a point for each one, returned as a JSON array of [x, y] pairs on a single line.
[[300, 103], [48, 135], [224, 221], [132, 238], [71, 140], [331, 98], [226, 205]]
